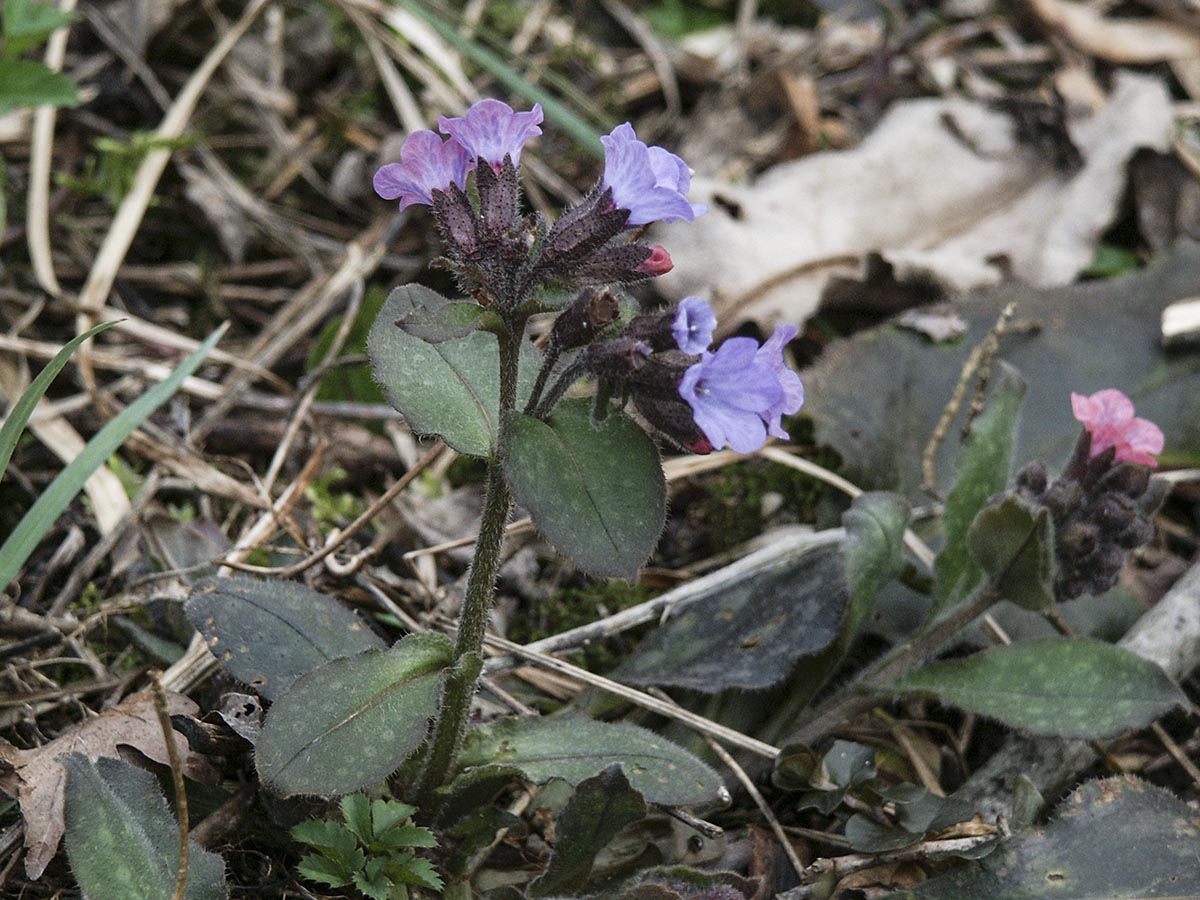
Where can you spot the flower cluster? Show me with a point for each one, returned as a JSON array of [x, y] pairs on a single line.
[[1099, 504], [698, 398]]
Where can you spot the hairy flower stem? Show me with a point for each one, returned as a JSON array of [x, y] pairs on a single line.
[[462, 679]]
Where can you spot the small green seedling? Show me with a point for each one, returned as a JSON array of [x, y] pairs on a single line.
[[372, 850]]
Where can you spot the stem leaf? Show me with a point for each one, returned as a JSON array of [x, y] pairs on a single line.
[[450, 388], [1013, 544], [597, 494], [352, 721], [575, 748]]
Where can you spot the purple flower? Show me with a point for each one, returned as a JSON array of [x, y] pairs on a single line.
[[491, 130], [427, 164], [742, 391], [650, 182], [694, 324]]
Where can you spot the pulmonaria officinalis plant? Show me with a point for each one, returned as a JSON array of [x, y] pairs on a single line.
[[587, 470]]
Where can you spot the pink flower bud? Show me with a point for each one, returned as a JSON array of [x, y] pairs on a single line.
[[659, 262]]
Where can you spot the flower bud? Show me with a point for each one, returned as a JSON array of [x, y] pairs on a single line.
[[674, 419], [587, 315], [1077, 540], [1031, 480], [1129, 480], [1063, 498], [1114, 513], [659, 262]]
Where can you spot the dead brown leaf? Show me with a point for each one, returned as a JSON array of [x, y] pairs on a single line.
[[38, 779], [1118, 40]]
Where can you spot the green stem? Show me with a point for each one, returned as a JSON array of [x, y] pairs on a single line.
[[462, 679]]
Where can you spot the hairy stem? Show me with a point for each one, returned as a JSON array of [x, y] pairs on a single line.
[[548, 364], [462, 679]]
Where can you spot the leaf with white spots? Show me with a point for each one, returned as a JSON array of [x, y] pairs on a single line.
[[575, 748], [354, 720], [123, 841], [1057, 687], [269, 633]]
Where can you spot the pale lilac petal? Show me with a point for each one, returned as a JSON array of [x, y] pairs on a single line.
[[650, 182], [740, 393], [491, 130], [693, 326], [427, 164]]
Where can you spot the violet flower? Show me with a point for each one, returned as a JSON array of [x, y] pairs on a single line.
[[427, 164], [650, 182], [693, 325], [491, 130], [743, 390], [1108, 417]]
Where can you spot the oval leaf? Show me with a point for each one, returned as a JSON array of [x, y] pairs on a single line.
[[123, 841], [575, 748], [1057, 687], [354, 720], [767, 622], [597, 494], [1013, 543], [269, 633], [450, 388]]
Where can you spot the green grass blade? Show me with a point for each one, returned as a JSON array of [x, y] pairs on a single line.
[[33, 527], [567, 119], [19, 415]]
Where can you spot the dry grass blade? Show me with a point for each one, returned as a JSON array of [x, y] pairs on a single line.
[[41, 153]]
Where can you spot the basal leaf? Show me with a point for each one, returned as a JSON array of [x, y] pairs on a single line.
[[268, 633], [1058, 687], [575, 748], [1012, 542], [123, 841], [600, 807], [597, 494], [749, 634], [354, 720], [451, 388], [983, 470], [1114, 839]]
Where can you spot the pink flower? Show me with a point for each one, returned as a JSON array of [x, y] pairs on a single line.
[[1108, 417]]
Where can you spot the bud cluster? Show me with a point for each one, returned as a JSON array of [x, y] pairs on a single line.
[[1096, 513]]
